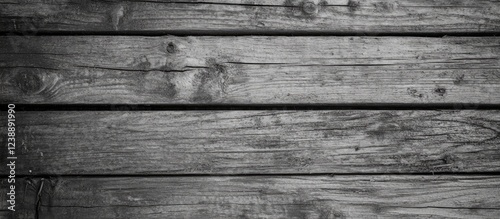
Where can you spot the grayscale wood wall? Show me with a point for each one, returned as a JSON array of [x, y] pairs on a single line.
[[293, 109]]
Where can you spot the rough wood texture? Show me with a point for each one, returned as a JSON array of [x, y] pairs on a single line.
[[264, 197], [252, 16], [241, 142], [114, 69]]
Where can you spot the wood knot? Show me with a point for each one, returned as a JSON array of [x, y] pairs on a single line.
[[172, 48], [212, 82], [28, 82], [306, 9], [309, 8], [414, 93], [441, 91], [353, 5], [385, 7], [448, 159]]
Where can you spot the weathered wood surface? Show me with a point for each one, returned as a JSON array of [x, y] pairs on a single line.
[[252, 16], [296, 197], [270, 142], [246, 70]]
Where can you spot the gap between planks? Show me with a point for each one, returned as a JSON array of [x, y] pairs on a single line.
[[299, 174], [186, 33], [251, 107]]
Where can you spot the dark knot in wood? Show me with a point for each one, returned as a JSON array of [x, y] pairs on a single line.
[[309, 8], [28, 82], [171, 48]]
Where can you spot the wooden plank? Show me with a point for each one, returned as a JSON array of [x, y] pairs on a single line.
[[254, 16], [244, 70], [256, 142], [8, 214], [294, 197]]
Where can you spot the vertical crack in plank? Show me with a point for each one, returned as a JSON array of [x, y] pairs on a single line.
[[38, 201]]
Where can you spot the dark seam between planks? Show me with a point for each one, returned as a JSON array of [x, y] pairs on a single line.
[[224, 3], [298, 204], [156, 175], [229, 32], [241, 107]]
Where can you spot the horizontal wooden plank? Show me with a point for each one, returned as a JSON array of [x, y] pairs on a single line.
[[254, 16], [246, 70], [262, 197], [257, 142]]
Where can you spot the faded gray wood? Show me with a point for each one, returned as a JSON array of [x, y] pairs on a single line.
[[247, 70], [254, 16], [293, 197], [257, 142]]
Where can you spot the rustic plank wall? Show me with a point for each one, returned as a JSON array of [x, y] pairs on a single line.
[[252, 109]]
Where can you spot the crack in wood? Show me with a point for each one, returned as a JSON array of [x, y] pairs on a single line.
[[38, 201]]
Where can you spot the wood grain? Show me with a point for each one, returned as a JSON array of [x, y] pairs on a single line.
[[249, 70], [251, 16], [256, 142], [297, 197]]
